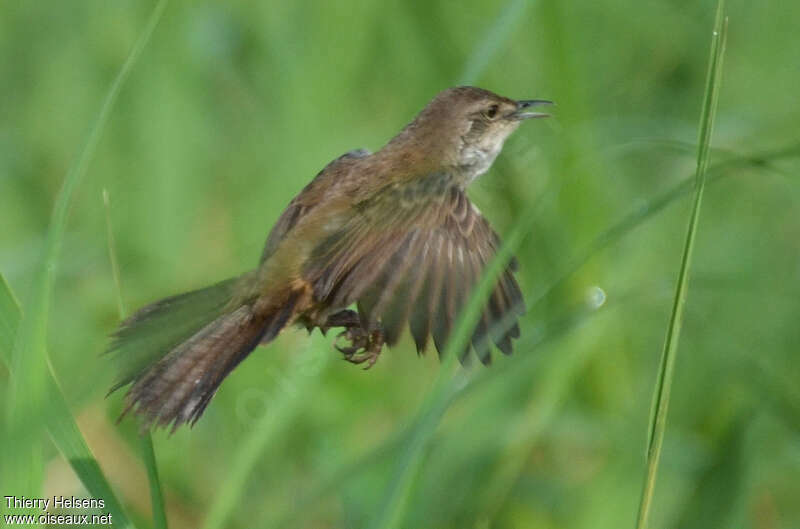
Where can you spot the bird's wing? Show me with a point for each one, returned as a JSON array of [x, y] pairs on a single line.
[[309, 197], [413, 253]]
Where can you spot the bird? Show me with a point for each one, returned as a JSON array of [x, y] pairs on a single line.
[[390, 233]]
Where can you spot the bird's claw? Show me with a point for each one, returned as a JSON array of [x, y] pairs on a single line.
[[356, 337], [364, 346]]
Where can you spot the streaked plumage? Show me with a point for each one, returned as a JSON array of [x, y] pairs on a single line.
[[392, 232]]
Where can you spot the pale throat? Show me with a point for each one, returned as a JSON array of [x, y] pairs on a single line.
[[476, 158]]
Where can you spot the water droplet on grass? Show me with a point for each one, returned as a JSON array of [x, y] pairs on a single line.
[[595, 297]]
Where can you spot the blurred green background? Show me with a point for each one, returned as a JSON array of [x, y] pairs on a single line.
[[231, 110]]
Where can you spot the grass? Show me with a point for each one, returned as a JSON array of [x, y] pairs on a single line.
[[391, 511], [60, 424], [146, 441], [74, 448], [29, 392], [663, 386], [495, 39], [553, 385], [298, 386]]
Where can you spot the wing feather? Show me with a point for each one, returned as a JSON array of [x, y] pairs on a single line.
[[308, 198], [414, 253]]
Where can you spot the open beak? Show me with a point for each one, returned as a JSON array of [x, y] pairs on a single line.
[[521, 112]]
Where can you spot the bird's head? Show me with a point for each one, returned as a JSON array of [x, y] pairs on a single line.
[[464, 128]]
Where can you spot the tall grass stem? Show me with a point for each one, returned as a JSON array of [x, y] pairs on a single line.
[[661, 394], [146, 440]]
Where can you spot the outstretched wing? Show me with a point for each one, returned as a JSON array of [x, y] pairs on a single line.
[[308, 198], [413, 253]]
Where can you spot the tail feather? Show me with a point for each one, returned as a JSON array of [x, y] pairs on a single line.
[[173, 389], [271, 327], [182, 375], [154, 330]]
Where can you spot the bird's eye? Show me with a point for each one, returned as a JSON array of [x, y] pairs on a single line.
[[491, 112]]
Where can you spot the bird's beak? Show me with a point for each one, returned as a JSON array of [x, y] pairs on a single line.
[[520, 113]]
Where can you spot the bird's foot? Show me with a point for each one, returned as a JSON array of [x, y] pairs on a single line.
[[364, 345], [360, 343]]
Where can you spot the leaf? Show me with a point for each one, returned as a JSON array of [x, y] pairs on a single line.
[[658, 416]]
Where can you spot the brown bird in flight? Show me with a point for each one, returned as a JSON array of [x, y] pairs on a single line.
[[392, 232]]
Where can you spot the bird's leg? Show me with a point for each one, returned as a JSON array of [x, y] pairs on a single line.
[[365, 341], [366, 345], [343, 318]]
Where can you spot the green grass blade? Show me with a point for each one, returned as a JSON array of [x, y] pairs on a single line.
[[112, 256], [61, 424], [156, 494], [494, 39], [9, 319], [395, 501], [334, 480], [647, 210], [69, 440], [146, 441], [28, 357], [661, 394], [297, 388], [447, 386], [337, 478], [29, 388]]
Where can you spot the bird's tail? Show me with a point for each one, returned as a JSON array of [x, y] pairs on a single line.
[[176, 352]]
